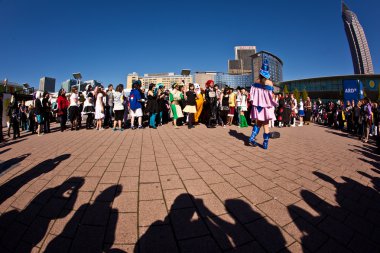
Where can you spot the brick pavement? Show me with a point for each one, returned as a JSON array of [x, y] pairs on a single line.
[[199, 190]]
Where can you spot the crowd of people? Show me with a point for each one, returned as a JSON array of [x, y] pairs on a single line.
[[100, 108], [359, 118], [118, 109]]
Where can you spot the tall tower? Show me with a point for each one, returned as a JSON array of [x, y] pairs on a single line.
[[361, 56]]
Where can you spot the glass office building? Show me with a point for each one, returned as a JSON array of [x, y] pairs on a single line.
[[68, 84], [242, 62], [233, 81], [275, 66], [331, 87]]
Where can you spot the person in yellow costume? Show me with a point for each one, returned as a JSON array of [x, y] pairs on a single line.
[[199, 101]]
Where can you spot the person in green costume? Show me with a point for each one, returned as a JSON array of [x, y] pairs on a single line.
[[243, 108], [175, 97]]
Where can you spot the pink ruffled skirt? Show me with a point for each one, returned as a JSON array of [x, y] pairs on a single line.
[[263, 104]]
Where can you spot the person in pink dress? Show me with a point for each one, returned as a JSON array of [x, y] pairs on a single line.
[[262, 104]]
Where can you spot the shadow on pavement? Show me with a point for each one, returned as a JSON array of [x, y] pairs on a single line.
[[342, 134], [9, 142], [351, 219], [23, 230], [190, 229], [4, 166], [12, 186], [370, 153], [4, 151], [90, 224], [240, 136]]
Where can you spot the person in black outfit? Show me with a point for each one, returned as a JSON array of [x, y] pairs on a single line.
[[349, 117], [340, 113], [46, 112], [224, 108], [211, 103], [23, 118], [15, 113], [280, 110], [191, 107], [152, 105], [38, 110], [32, 119], [161, 94], [287, 111]]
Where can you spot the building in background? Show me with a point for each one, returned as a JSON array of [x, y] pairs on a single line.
[[233, 81], [10, 87], [47, 84], [131, 78], [68, 84], [202, 77], [331, 87], [165, 78], [242, 63], [361, 56], [275, 66], [223, 79]]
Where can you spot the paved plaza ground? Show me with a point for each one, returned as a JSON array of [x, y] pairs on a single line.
[[199, 190]]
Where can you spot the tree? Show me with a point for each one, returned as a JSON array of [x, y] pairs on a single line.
[[341, 96], [296, 94], [286, 90], [304, 95]]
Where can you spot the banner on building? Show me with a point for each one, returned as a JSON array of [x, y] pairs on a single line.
[[353, 90]]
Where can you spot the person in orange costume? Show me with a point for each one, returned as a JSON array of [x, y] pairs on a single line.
[[199, 101]]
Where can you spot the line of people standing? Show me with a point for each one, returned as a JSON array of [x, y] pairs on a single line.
[[35, 118]]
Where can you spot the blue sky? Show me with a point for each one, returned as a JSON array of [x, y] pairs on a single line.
[[106, 40]]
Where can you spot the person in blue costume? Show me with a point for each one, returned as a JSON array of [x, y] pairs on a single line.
[[262, 104], [135, 105]]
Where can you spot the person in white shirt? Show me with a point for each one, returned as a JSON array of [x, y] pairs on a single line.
[[238, 104], [118, 107], [243, 107], [301, 112], [74, 109], [99, 107]]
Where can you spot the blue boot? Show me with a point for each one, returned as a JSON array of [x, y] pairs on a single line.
[[255, 132], [266, 139]]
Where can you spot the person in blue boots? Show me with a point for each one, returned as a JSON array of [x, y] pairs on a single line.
[[261, 97]]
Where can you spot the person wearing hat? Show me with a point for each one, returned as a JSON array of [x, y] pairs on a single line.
[[135, 104], [262, 104], [175, 97]]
